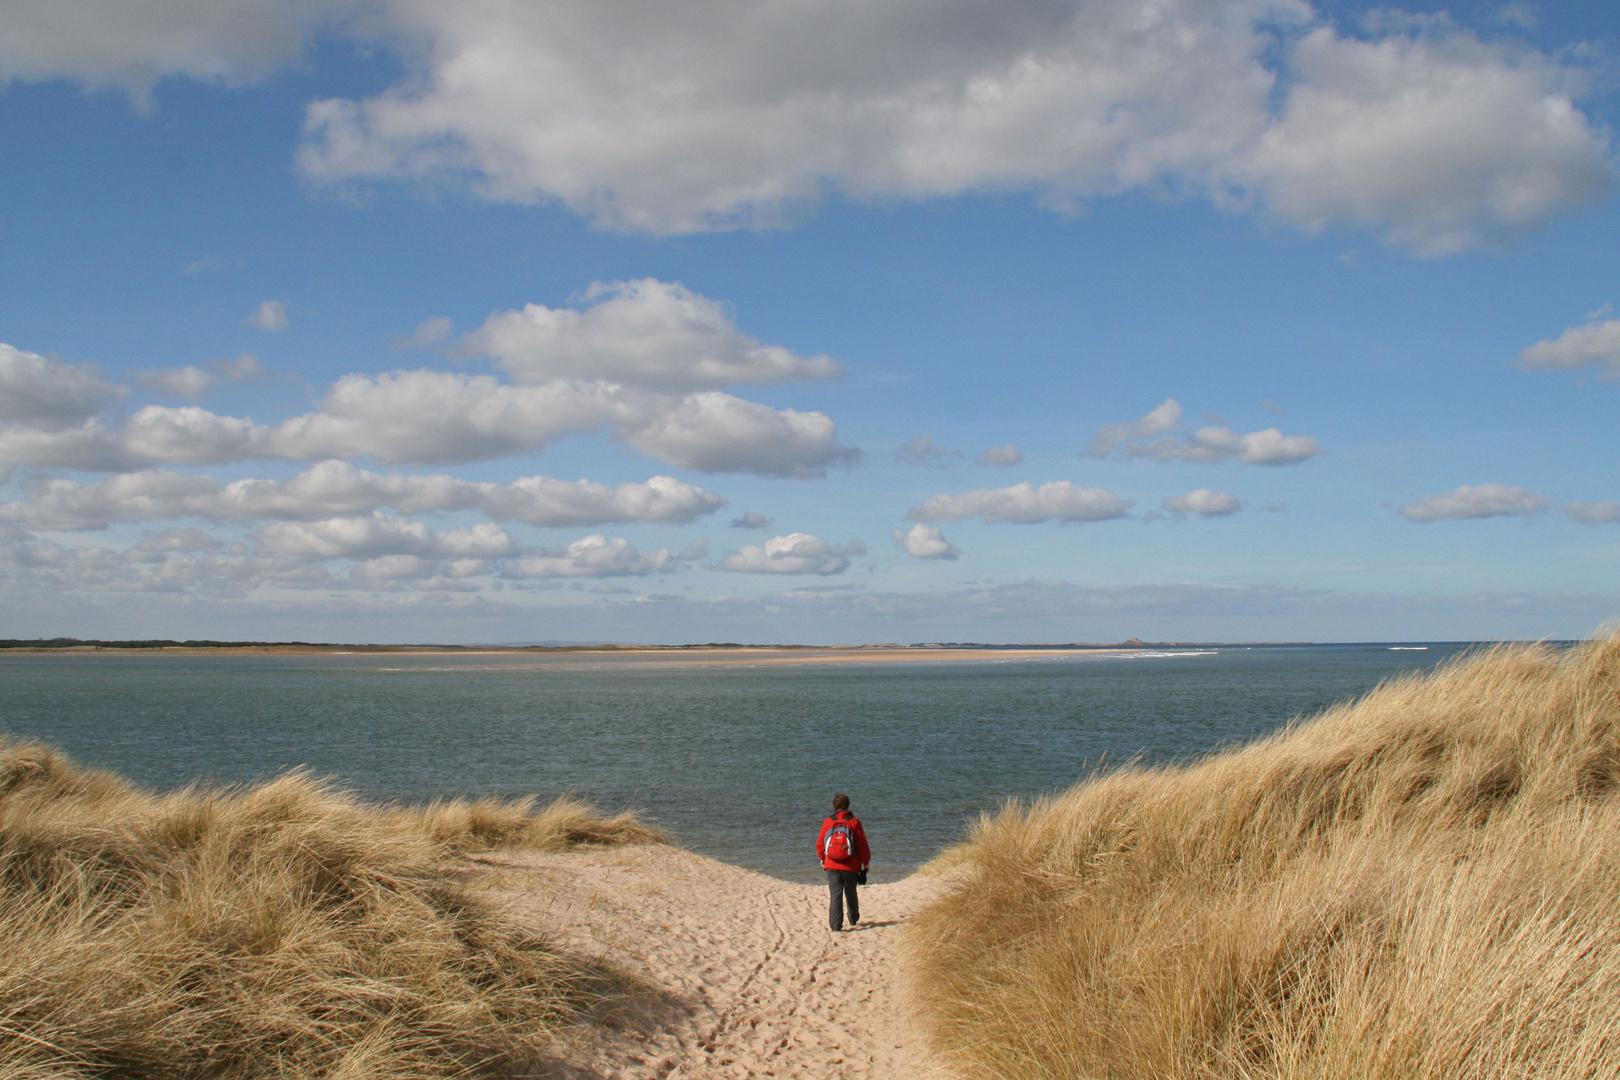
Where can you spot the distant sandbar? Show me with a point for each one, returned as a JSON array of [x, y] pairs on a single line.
[[711, 654]]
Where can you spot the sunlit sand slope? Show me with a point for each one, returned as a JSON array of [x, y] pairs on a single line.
[[741, 976]]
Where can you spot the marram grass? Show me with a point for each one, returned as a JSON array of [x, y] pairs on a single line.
[[286, 930], [1424, 883]]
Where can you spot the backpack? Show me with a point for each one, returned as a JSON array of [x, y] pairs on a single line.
[[839, 845]]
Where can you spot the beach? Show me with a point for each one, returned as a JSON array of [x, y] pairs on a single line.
[[740, 975]]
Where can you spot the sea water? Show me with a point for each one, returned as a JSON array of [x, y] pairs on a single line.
[[738, 761]]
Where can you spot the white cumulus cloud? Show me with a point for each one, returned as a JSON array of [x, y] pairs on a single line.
[[413, 417], [425, 416], [417, 571], [378, 535], [795, 553], [1437, 141], [1206, 445], [716, 432], [644, 333], [592, 556], [1204, 503], [708, 114], [90, 445], [542, 500], [49, 395], [142, 496], [336, 488], [1110, 437], [717, 114], [190, 435], [1476, 501], [925, 542], [1594, 343], [1024, 504], [374, 553], [137, 43]]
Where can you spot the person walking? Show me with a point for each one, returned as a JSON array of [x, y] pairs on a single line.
[[842, 849]]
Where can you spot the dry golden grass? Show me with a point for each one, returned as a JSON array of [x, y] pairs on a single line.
[[1424, 883], [480, 824], [286, 930]]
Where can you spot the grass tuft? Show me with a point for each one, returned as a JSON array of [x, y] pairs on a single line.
[[482, 824], [283, 930], [1424, 883]]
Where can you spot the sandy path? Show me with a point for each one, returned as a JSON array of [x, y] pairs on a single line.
[[746, 980]]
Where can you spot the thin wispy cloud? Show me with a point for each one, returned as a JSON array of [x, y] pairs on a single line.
[[923, 450], [270, 315], [189, 382], [1204, 503], [1594, 513]]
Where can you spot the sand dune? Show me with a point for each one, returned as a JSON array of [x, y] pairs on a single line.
[[742, 977], [1418, 885]]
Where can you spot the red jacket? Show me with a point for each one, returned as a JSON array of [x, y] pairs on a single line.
[[863, 854]]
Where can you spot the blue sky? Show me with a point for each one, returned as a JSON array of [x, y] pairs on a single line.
[[817, 321]]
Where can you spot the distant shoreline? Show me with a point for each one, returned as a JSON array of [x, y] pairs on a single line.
[[708, 653]]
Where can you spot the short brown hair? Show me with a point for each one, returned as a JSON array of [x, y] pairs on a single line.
[[840, 802]]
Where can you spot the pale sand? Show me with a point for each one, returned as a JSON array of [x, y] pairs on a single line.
[[833, 655], [744, 978], [659, 656]]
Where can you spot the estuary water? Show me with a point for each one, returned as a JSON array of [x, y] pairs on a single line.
[[739, 762]]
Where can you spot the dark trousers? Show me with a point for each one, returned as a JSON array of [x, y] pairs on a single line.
[[841, 884]]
